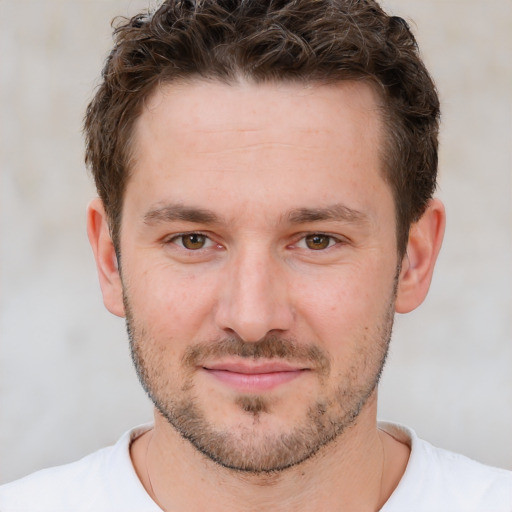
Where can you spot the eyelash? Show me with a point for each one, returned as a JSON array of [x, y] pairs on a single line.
[[332, 241], [175, 238]]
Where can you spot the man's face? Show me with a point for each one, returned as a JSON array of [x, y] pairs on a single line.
[[259, 264]]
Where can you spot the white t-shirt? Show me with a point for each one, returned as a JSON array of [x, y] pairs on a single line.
[[435, 480]]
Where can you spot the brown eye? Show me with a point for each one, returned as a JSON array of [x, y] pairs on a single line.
[[193, 241], [318, 241]]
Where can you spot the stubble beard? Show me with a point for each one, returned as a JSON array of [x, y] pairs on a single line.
[[249, 448]]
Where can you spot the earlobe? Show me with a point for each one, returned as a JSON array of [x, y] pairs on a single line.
[[425, 239], [106, 261]]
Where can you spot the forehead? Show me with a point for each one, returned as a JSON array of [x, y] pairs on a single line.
[[268, 109], [256, 141]]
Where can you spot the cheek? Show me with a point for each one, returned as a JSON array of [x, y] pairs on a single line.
[[168, 303], [347, 303]]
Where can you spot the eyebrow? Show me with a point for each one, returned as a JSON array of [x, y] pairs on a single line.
[[180, 212], [335, 212], [173, 212]]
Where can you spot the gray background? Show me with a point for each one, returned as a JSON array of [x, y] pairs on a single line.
[[66, 382]]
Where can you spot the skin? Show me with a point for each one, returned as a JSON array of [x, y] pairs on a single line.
[[273, 166]]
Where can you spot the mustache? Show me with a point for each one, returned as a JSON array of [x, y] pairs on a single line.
[[271, 346]]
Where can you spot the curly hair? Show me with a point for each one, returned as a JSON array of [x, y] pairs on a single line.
[[325, 41]]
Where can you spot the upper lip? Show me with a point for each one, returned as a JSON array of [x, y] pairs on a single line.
[[253, 368]]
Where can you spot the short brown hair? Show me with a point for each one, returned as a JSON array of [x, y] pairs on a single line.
[[323, 41]]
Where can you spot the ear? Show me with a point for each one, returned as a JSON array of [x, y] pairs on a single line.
[[425, 238], [105, 256]]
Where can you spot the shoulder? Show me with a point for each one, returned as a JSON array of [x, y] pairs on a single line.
[[438, 480], [95, 483], [56, 488]]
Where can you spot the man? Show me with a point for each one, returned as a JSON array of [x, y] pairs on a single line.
[[265, 174]]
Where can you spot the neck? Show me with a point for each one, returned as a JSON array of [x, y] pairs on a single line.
[[357, 471]]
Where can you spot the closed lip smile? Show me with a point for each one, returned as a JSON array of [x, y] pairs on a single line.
[[254, 376]]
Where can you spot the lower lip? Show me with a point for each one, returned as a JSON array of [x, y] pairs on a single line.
[[254, 382]]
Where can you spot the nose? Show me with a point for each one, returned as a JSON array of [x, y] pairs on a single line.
[[254, 297]]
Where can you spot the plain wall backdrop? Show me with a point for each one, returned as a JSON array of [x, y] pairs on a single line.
[[66, 382]]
